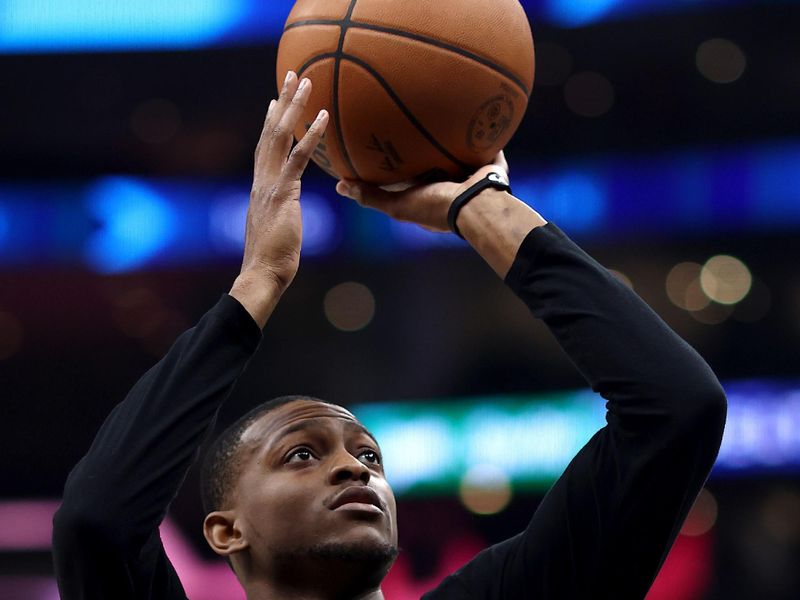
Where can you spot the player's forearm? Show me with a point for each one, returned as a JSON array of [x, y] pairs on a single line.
[[622, 348], [495, 223]]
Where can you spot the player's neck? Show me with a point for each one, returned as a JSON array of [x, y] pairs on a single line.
[[315, 582], [266, 592]]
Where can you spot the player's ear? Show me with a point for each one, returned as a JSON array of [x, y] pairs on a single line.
[[223, 533]]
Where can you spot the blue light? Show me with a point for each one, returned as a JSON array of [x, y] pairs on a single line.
[[135, 223], [575, 200], [42, 26], [414, 237], [575, 13], [157, 222], [227, 222], [763, 427], [321, 232], [774, 186], [4, 226], [102, 25]]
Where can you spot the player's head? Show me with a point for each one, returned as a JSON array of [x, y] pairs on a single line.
[[294, 490]]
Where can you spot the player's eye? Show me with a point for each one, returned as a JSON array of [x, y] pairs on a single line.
[[371, 457], [299, 455]]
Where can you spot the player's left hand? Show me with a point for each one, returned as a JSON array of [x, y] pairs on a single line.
[[426, 205]]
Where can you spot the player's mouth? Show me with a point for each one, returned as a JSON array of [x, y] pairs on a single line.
[[357, 498]]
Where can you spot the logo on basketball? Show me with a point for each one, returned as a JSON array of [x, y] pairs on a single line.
[[489, 122]]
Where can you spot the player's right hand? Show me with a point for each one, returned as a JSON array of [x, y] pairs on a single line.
[[426, 205]]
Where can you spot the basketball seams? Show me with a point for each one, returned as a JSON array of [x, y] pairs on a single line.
[[420, 38], [311, 62], [407, 112], [344, 25], [392, 94]]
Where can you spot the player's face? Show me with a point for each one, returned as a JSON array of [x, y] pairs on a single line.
[[313, 482]]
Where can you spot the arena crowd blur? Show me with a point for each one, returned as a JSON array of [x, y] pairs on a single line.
[[663, 136]]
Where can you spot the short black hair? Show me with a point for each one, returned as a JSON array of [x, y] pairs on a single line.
[[222, 464]]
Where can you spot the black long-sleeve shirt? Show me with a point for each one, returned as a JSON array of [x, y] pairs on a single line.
[[602, 531]]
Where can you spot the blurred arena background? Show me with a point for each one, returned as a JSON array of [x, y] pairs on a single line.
[[663, 135]]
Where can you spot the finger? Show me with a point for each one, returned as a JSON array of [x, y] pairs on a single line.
[[302, 153], [286, 94], [283, 143], [398, 205], [272, 104], [500, 161], [272, 123]]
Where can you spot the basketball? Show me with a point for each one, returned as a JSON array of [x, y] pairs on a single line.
[[416, 89]]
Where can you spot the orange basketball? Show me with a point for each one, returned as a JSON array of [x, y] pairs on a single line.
[[415, 88]]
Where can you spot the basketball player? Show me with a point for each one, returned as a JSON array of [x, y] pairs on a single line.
[[296, 494]]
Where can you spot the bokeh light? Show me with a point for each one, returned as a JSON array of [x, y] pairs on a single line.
[[621, 277], [683, 287], [721, 61], [589, 94], [702, 516], [780, 516], [485, 490], [713, 314], [725, 279], [349, 306]]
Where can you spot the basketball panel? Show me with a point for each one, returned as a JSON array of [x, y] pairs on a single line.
[[305, 10], [299, 46], [497, 30], [383, 144], [470, 109]]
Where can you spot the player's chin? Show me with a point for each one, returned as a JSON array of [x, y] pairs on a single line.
[[375, 550], [359, 527]]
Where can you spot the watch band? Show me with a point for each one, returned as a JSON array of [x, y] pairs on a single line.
[[492, 180]]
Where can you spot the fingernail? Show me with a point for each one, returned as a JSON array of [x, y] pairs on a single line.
[[288, 77], [322, 114], [304, 84]]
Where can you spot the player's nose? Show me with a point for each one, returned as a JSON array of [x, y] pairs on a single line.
[[348, 467]]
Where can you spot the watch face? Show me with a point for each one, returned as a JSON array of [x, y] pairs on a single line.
[[497, 178]]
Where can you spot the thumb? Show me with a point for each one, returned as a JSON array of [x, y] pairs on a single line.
[[366, 194]]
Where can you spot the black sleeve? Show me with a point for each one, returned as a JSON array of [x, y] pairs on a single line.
[[105, 534], [605, 527]]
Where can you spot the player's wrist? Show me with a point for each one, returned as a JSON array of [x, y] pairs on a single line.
[[495, 223], [258, 294]]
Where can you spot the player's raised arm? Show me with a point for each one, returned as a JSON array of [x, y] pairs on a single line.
[[605, 527], [274, 226], [105, 537]]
